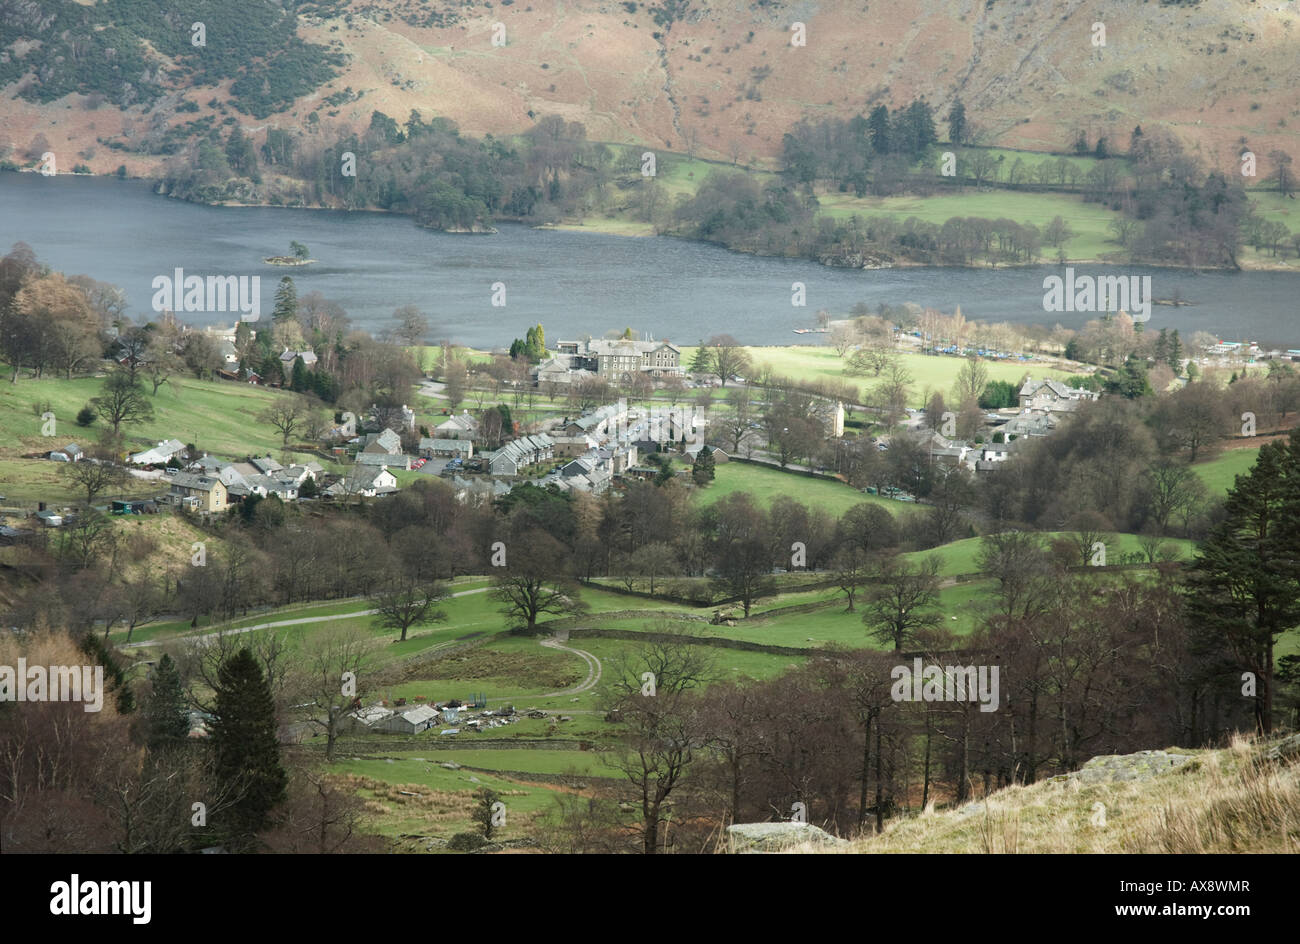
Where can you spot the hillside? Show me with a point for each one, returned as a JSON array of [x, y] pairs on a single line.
[[719, 79], [1244, 798]]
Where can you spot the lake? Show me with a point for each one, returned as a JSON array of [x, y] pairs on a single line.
[[572, 282]]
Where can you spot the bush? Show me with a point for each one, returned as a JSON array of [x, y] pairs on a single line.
[[86, 415], [465, 842]]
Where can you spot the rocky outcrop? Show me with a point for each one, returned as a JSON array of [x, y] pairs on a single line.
[[1113, 768], [1286, 750], [775, 837], [856, 260]]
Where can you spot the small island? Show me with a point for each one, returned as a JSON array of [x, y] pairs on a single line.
[[299, 257]]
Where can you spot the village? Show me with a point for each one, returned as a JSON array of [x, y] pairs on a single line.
[[588, 451]]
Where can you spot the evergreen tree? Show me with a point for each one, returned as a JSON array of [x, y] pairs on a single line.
[[286, 302], [957, 123], [270, 368], [878, 125], [1161, 349], [166, 719], [114, 678], [702, 470], [299, 382], [240, 154], [263, 345], [533, 345], [1175, 355], [246, 749], [1130, 381], [702, 362], [920, 125], [1242, 586]]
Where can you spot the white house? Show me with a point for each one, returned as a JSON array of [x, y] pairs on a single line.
[[159, 454], [364, 481], [69, 453]]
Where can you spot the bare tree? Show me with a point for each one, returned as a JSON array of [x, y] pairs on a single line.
[[535, 579], [654, 695], [729, 358], [95, 475], [287, 414], [902, 601], [330, 677], [404, 600]]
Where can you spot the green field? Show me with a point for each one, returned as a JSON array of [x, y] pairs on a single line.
[[1220, 473], [219, 417], [929, 372], [442, 800], [1088, 220], [764, 484]]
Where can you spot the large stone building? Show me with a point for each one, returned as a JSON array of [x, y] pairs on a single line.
[[616, 361]]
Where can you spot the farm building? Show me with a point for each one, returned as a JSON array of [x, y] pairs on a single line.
[[368, 719], [159, 454], [411, 721]]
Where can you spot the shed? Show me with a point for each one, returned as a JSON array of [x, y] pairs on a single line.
[[411, 721]]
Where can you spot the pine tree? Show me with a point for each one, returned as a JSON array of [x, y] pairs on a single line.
[[1175, 356], [702, 362], [533, 345], [957, 123], [246, 750], [702, 470], [920, 122], [1130, 381], [1161, 350], [286, 301], [1242, 586], [166, 719], [300, 381], [878, 124], [98, 652]]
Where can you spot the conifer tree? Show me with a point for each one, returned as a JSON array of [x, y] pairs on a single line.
[[702, 470], [246, 750], [1175, 356], [1242, 586], [300, 382], [702, 362], [166, 719], [286, 301]]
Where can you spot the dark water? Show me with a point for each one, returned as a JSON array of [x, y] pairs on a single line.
[[572, 282]]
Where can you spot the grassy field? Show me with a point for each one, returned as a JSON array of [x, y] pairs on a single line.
[[929, 372], [1088, 220], [1219, 473], [959, 557], [415, 796], [217, 416], [764, 484]]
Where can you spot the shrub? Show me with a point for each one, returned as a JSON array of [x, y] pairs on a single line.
[[86, 415], [465, 842]]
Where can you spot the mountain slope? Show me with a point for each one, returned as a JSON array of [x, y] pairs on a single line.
[[719, 78]]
